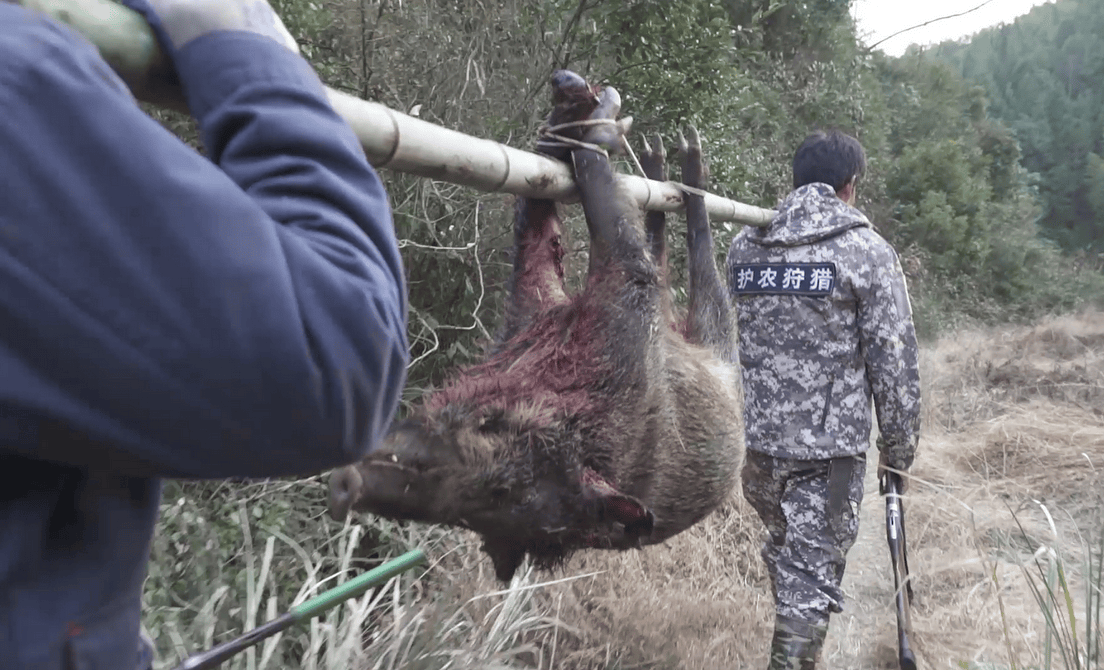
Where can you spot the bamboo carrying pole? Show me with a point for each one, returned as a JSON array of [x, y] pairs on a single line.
[[390, 139]]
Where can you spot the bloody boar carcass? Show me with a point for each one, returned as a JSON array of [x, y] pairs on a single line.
[[597, 420]]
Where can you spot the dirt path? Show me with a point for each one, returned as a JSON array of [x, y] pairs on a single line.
[[863, 637]]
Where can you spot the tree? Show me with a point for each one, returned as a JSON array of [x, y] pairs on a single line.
[[1045, 76]]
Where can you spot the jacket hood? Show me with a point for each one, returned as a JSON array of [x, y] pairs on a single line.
[[808, 214]]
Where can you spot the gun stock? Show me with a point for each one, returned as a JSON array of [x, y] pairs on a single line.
[[898, 554]]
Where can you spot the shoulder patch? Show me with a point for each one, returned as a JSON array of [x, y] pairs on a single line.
[[812, 279]]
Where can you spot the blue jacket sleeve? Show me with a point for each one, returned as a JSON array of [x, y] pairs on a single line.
[[166, 314]]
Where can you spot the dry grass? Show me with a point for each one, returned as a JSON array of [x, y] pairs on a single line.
[[692, 602], [697, 601], [1014, 420]]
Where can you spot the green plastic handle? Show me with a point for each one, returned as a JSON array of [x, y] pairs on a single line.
[[355, 587], [212, 658]]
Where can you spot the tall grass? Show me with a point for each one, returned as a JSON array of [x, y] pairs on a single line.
[[227, 558], [1010, 416], [1072, 633]]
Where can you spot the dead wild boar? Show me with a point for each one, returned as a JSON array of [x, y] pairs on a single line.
[[595, 421]]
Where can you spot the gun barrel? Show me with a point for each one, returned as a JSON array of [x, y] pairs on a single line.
[[895, 536]]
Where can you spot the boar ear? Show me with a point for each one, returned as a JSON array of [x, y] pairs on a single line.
[[493, 421], [637, 519], [616, 506]]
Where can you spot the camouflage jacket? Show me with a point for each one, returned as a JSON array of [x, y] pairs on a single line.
[[825, 323]]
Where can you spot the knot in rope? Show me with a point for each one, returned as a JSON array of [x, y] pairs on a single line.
[[550, 138]]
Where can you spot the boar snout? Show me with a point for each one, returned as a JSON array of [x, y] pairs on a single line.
[[346, 486]]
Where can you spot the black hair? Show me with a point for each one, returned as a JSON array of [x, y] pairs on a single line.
[[830, 157]]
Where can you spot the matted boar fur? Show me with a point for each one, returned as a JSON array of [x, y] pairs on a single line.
[[595, 421]]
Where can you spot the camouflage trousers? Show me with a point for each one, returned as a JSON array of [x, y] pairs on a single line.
[[811, 511]]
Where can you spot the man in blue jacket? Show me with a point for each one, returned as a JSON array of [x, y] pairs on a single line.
[[163, 314]]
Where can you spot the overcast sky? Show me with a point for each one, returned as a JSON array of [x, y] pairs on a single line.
[[880, 18]]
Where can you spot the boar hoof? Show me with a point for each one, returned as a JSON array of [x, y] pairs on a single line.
[[567, 85]]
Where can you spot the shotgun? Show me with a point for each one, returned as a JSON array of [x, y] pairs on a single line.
[[898, 556]]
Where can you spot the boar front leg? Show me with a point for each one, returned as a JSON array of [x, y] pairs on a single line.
[[710, 320], [653, 159], [537, 282]]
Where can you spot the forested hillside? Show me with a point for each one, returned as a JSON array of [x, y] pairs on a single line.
[[1044, 76]]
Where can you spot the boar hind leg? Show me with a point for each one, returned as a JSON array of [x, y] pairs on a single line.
[[613, 218], [710, 320], [537, 282], [654, 161]]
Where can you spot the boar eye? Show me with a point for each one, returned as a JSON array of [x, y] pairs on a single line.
[[500, 492], [492, 423]]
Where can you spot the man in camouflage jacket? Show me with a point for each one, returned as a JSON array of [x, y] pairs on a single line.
[[825, 323]]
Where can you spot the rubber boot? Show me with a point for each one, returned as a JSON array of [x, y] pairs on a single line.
[[796, 644]]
